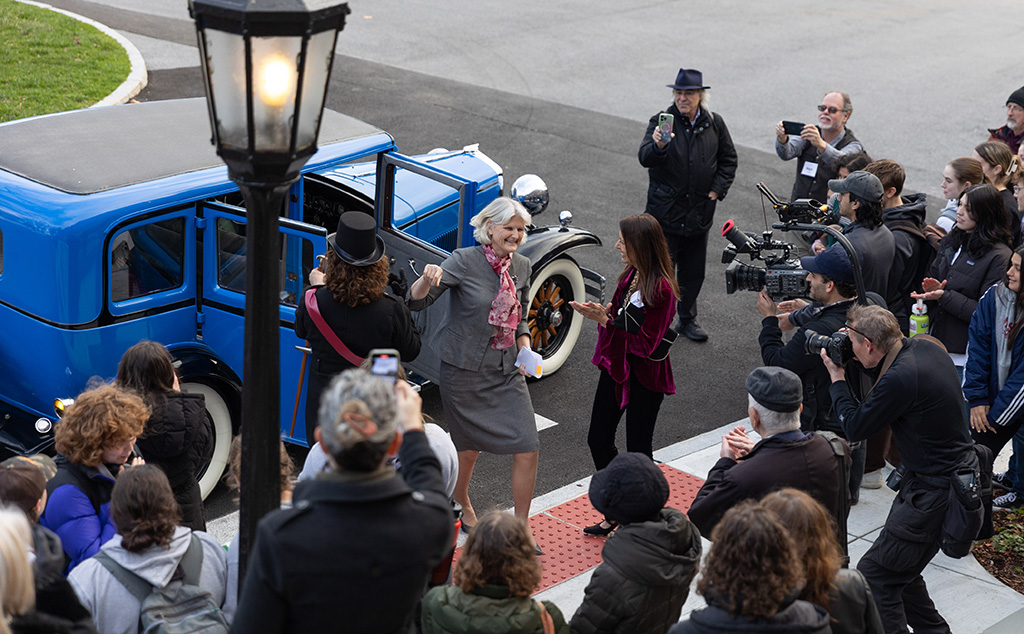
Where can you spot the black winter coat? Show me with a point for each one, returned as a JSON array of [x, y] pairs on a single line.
[[852, 606], [913, 255], [354, 552], [179, 439], [794, 459], [793, 356], [644, 580], [967, 279], [385, 323], [798, 617], [700, 159], [875, 249]]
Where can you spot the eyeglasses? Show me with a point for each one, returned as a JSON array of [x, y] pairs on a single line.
[[847, 326], [831, 109]]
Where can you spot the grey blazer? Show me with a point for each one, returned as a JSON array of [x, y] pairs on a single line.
[[465, 333]]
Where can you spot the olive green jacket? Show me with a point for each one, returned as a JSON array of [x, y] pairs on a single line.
[[487, 610]]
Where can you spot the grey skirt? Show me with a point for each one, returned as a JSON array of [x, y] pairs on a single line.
[[489, 410]]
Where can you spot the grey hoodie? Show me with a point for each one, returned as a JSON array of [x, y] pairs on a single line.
[[114, 609]]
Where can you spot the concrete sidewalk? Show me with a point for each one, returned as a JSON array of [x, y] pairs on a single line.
[[970, 599]]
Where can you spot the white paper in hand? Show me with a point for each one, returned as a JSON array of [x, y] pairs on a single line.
[[531, 361]]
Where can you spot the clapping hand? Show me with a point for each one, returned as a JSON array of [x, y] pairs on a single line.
[[736, 444], [593, 311], [933, 289]]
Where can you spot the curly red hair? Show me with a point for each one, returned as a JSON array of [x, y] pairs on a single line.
[[499, 551], [355, 285], [100, 417]]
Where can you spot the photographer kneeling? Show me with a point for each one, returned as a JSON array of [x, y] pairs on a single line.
[[911, 386]]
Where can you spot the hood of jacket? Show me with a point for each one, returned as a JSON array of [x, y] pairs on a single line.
[[912, 210], [661, 552], [795, 617], [156, 564]]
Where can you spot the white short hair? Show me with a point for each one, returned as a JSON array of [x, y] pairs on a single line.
[[773, 422], [498, 212]]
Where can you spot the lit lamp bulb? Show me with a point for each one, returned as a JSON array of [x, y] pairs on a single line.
[[276, 80]]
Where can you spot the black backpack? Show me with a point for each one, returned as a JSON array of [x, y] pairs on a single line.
[[176, 608]]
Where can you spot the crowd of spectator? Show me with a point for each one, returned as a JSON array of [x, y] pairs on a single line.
[[99, 540]]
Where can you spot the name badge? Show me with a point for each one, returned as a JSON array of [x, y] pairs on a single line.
[[810, 169]]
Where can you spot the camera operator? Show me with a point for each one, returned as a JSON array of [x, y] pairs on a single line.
[[911, 386], [830, 282]]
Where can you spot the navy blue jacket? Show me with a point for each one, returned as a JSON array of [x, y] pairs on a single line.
[[980, 376]]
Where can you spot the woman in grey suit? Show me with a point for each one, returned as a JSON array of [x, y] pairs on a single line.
[[486, 403]]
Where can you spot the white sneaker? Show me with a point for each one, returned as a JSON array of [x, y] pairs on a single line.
[[872, 480], [1008, 501]]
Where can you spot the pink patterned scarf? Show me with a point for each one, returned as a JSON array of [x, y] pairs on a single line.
[[506, 311]]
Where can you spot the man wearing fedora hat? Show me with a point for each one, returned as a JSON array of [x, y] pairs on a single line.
[[346, 313], [690, 171]]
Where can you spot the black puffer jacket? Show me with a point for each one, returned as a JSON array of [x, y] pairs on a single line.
[[179, 440], [700, 159], [913, 254], [645, 577], [798, 617], [967, 279]]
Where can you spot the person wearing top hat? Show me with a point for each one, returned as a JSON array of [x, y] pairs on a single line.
[[690, 171], [350, 295], [783, 457]]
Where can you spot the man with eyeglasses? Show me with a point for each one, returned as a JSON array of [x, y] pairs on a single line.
[[911, 386], [690, 170], [819, 146], [1013, 132]]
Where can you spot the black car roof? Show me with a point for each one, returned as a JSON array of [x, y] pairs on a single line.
[[97, 149]]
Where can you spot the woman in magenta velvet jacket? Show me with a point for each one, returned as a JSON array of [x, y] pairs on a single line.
[[630, 381]]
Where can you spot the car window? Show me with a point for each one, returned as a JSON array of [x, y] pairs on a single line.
[[296, 260], [147, 259], [1, 251]]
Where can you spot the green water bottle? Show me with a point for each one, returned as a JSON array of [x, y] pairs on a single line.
[[919, 319]]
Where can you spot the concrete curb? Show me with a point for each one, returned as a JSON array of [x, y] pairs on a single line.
[[137, 76]]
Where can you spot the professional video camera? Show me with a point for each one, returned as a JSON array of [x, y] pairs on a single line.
[[838, 346], [782, 276]]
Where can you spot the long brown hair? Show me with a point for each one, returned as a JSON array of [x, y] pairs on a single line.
[[968, 170], [813, 529], [753, 565], [143, 508], [1018, 303], [498, 551], [648, 254], [998, 154]]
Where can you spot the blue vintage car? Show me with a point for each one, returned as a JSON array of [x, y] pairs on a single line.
[[120, 224]]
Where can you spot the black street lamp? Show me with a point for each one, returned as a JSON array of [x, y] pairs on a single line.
[[266, 64]]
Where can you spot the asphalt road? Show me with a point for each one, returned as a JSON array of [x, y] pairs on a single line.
[[564, 90]]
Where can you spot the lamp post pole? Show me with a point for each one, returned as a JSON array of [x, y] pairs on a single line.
[[266, 64], [260, 475]]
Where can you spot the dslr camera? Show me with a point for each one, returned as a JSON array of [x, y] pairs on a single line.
[[837, 346], [781, 275]]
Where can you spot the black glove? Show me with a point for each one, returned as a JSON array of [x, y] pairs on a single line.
[[398, 283]]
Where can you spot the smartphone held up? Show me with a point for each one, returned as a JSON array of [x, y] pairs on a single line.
[[384, 363], [665, 121]]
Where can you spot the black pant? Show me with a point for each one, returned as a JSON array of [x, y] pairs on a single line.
[[893, 564], [690, 255], [641, 414]]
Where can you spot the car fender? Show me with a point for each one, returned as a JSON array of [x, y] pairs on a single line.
[[199, 365], [544, 244]]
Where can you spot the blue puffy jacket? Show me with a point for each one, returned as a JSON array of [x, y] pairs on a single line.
[[980, 375], [78, 509]]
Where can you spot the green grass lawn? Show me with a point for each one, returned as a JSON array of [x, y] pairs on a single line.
[[50, 62]]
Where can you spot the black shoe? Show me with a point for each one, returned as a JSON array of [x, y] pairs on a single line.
[[600, 531], [692, 331], [536, 549], [465, 528]]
